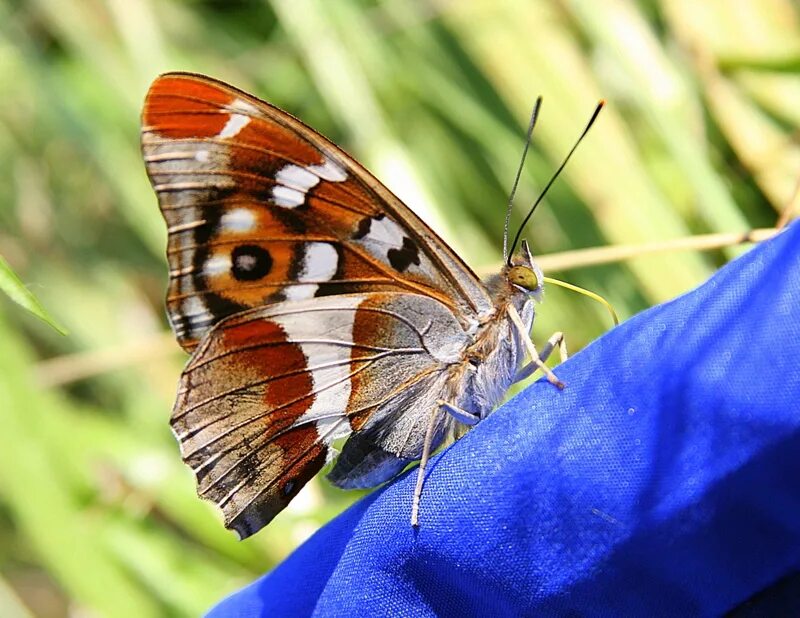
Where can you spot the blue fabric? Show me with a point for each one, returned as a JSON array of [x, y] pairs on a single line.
[[664, 481]]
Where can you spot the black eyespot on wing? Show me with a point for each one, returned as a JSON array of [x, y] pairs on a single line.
[[250, 262], [402, 258]]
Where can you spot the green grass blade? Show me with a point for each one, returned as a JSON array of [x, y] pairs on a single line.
[[16, 291]]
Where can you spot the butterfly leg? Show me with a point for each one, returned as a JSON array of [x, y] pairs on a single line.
[[536, 360], [461, 415], [556, 340], [423, 462]]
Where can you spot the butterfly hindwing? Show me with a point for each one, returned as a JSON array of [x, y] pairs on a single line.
[[269, 390], [261, 209]]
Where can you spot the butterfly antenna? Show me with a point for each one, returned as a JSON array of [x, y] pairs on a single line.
[[553, 179], [534, 115]]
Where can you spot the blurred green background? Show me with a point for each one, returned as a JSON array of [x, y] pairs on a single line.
[[98, 515]]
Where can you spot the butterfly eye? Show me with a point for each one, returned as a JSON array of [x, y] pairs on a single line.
[[523, 277]]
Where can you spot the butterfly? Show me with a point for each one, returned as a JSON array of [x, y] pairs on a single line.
[[316, 307]]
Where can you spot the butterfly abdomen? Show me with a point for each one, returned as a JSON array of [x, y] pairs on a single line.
[[495, 357]]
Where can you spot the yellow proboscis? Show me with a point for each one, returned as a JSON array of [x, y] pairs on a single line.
[[585, 292]]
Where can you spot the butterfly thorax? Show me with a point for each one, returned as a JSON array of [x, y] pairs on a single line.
[[491, 361]]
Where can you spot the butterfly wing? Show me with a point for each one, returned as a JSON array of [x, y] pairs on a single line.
[[268, 390], [260, 208]]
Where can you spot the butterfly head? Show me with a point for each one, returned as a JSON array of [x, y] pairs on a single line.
[[524, 274]]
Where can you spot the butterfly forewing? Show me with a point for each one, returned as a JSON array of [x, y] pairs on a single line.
[[261, 209]]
